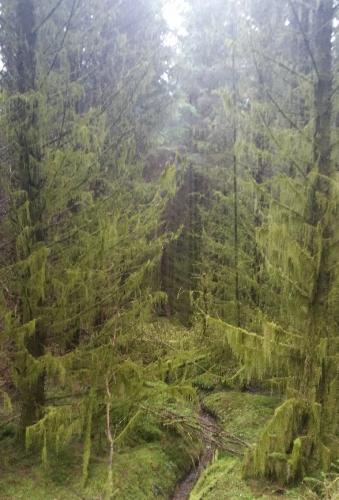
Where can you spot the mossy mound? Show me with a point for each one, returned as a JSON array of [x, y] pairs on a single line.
[[147, 472], [222, 480], [206, 381], [240, 413], [244, 415], [290, 445]]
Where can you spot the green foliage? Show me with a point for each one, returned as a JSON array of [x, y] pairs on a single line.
[[145, 471], [80, 288], [209, 482], [268, 280], [325, 485], [230, 228], [280, 455], [242, 415]]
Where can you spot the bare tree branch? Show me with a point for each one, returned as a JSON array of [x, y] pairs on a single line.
[[49, 15], [66, 30], [306, 40]]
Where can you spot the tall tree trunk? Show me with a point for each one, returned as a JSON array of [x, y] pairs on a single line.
[[235, 178], [25, 115], [296, 442], [321, 187], [301, 22], [320, 198]]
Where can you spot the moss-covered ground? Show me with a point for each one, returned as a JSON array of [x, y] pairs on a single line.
[[241, 413], [244, 415], [146, 472], [152, 470]]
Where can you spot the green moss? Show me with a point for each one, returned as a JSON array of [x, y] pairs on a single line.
[[215, 480], [295, 461], [143, 473], [150, 471], [223, 480], [22, 476], [242, 414], [292, 433], [206, 381]]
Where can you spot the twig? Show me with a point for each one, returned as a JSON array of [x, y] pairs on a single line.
[[50, 14], [9, 420], [110, 440], [306, 40]]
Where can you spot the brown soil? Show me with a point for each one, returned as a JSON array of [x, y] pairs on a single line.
[[184, 489]]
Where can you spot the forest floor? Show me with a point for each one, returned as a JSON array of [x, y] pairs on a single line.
[[144, 472], [152, 471], [184, 489], [244, 416]]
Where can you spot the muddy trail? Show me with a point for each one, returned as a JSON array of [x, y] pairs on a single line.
[[211, 430], [214, 438]]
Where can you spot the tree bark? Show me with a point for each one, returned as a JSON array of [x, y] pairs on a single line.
[[22, 70], [235, 181], [321, 187]]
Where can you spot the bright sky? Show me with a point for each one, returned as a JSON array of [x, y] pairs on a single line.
[[173, 12]]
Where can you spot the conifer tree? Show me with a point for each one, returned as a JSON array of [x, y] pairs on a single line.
[[205, 134], [298, 242], [239, 239], [81, 218]]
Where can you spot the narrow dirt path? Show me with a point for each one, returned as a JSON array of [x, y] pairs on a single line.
[[184, 489]]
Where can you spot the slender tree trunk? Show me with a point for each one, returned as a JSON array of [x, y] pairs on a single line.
[[22, 72], [301, 426], [235, 181], [319, 207], [259, 176], [301, 16]]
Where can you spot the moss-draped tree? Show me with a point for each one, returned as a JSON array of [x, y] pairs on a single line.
[[82, 217], [298, 239]]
